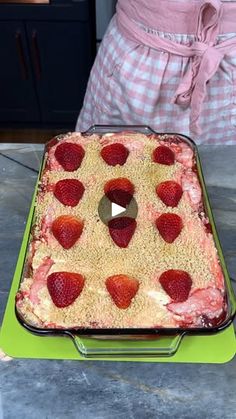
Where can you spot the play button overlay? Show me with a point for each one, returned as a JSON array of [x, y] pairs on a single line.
[[116, 209], [117, 204]]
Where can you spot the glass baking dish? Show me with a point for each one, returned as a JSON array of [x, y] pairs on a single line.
[[150, 342]]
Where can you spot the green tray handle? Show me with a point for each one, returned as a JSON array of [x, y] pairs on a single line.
[[153, 346]]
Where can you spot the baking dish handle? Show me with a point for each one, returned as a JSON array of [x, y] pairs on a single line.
[[151, 346], [104, 129]]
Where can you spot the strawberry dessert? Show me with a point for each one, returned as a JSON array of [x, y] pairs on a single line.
[[158, 270]]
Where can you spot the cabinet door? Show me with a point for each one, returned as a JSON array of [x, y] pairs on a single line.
[[18, 102], [62, 57]]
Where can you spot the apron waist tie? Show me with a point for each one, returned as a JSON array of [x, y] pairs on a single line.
[[205, 56]]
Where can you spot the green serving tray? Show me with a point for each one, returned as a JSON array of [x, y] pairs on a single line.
[[17, 342]]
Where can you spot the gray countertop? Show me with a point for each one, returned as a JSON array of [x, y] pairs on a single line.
[[40, 389]]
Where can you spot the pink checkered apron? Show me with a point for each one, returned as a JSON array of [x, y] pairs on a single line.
[[170, 65]]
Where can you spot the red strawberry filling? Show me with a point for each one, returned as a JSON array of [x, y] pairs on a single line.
[[204, 304], [114, 154], [122, 289], [191, 188], [39, 279], [51, 143], [207, 321]]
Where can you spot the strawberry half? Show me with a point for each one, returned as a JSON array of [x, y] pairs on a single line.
[[121, 230], [67, 230], [122, 289], [169, 226], [70, 156], [177, 284], [119, 190], [163, 155], [114, 154], [64, 287], [69, 191], [170, 192]]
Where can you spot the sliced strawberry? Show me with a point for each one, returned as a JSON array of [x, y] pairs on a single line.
[[70, 156], [114, 154], [121, 230], [69, 191], [177, 284], [170, 192], [122, 289], [119, 190], [169, 226], [64, 287], [67, 230], [163, 155]]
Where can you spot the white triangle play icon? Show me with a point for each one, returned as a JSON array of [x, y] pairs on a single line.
[[116, 209]]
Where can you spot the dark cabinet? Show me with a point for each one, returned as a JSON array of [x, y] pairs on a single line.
[[45, 64], [18, 99], [61, 59]]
